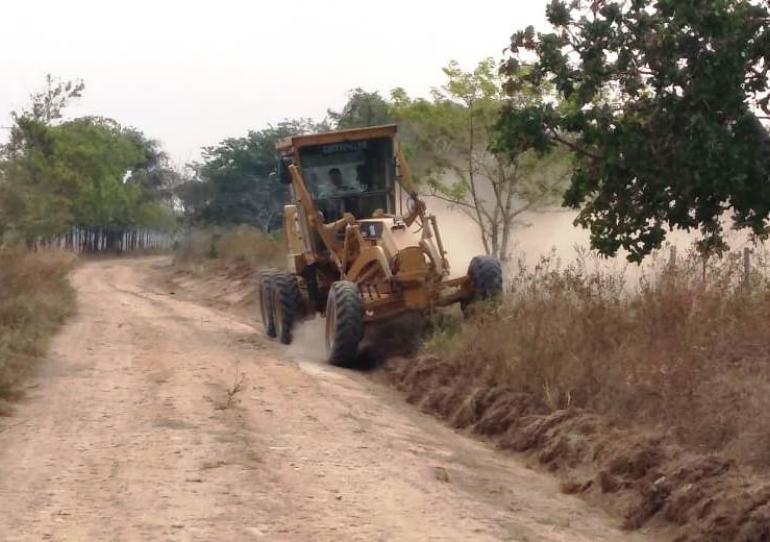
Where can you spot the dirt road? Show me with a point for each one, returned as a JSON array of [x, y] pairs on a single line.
[[127, 435]]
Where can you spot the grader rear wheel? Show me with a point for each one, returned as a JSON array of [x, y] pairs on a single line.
[[265, 279], [344, 323], [287, 306]]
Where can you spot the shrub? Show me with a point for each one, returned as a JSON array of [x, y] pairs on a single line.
[[684, 348], [35, 298], [243, 245]]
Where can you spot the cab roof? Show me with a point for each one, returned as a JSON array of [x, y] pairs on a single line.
[[338, 136]]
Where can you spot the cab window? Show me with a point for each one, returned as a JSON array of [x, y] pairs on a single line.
[[350, 176]]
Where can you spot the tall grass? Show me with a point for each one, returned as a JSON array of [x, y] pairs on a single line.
[[240, 246], [682, 348], [35, 298]]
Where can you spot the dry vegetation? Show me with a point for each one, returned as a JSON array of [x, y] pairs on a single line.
[[222, 265], [35, 297], [675, 351], [572, 357], [241, 247]]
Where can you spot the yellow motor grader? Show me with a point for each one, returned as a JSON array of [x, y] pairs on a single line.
[[361, 246]]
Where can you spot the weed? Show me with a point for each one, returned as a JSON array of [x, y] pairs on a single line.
[[231, 393], [441, 332]]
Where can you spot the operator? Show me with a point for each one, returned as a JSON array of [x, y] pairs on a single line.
[[336, 186], [341, 194]]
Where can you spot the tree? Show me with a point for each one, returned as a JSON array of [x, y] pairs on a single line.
[[30, 203], [232, 184], [362, 109], [450, 137], [153, 172], [48, 105], [660, 102], [88, 172]]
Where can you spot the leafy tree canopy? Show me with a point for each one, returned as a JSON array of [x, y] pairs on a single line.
[[232, 184], [660, 101], [450, 141], [89, 172], [362, 109]]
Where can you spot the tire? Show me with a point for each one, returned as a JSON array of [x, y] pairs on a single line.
[[486, 275], [266, 288], [344, 323], [287, 306]]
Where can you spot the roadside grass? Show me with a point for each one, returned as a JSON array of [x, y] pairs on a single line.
[[648, 396], [35, 298], [238, 247], [223, 265], [682, 348]]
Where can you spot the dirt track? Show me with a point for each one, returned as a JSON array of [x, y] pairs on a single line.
[[124, 437]]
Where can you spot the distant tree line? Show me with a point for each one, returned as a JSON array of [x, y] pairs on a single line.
[[231, 184], [448, 138], [87, 183], [643, 116]]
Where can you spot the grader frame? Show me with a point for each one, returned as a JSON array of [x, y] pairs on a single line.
[[359, 255]]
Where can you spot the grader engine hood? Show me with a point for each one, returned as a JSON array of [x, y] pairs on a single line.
[[410, 259]]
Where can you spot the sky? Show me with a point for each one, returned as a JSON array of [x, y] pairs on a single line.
[[191, 73]]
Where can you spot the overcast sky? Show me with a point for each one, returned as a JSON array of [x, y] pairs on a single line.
[[191, 73]]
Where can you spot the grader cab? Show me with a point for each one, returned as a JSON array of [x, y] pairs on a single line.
[[361, 245]]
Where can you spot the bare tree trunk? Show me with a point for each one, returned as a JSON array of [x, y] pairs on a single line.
[[507, 216], [472, 180]]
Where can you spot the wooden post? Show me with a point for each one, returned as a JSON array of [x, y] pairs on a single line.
[[672, 257]]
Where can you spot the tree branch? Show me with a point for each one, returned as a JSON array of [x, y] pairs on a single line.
[[569, 144], [447, 199]]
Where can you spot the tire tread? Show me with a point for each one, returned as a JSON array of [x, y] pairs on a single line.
[[265, 288], [350, 322], [287, 294]]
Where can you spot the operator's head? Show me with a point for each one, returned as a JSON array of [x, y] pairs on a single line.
[[335, 176]]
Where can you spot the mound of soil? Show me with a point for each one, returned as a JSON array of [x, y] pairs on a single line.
[[231, 287], [644, 477]]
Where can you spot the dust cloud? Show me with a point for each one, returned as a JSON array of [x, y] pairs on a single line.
[[398, 337], [540, 233], [550, 231], [309, 342]]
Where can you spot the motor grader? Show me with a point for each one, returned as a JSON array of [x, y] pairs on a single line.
[[361, 245]]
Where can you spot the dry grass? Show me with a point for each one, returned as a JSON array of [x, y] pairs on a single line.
[[243, 246], [35, 298], [231, 393], [672, 351], [647, 396]]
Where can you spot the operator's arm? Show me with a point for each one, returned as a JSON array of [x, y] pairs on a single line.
[[418, 208], [340, 224]]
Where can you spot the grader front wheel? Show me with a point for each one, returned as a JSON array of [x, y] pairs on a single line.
[[486, 276], [344, 323]]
